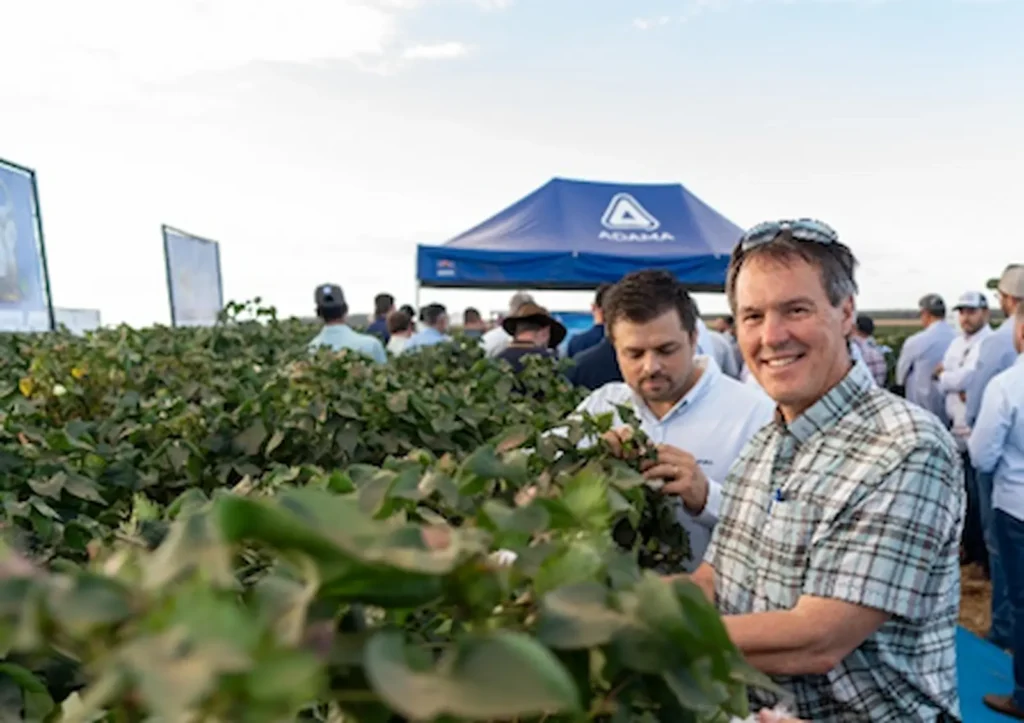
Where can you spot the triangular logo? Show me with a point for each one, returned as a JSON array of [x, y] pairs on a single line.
[[624, 213]]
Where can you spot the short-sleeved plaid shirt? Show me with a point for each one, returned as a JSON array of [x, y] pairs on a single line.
[[860, 499]]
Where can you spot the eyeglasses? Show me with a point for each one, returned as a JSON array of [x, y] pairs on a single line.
[[803, 229]]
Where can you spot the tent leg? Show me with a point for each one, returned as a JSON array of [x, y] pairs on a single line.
[[416, 298]]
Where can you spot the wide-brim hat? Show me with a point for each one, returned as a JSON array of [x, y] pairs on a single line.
[[539, 315]]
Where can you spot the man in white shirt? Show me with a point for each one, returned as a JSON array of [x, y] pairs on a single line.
[[497, 339], [997, 446], [953, 376], [922, 352], [699, 418]]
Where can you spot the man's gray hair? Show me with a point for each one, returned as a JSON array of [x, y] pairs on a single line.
[[835, 262], [518, 299]]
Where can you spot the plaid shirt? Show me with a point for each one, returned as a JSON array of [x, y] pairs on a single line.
[[869, 510], [874, 357]]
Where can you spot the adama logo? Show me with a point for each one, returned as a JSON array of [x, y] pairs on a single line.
[[626, 220]]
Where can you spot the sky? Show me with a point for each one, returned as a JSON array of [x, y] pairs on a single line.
[[321, 140]]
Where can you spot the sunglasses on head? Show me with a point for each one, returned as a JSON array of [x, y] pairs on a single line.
[[804, 229]]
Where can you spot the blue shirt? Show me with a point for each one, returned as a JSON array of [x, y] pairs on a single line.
[[342, 336], [428, 337], [713, 422], [379, 329], [997, 440], [996, 354], [587, 340], [921, 353], [596, 366]]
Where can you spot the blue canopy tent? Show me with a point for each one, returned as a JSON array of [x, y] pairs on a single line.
[[571, 234]]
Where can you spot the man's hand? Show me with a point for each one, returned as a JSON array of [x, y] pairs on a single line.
[[616, 437], [682, 475]]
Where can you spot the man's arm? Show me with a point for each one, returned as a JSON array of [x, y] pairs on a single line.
[[891, 552], [990, 429], [703, 577], [810, 639], [958, 379], [905, 363]]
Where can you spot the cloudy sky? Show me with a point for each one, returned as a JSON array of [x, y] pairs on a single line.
[[321, 140]]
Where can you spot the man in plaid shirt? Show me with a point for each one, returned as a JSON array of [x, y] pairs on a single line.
[[835, 562]]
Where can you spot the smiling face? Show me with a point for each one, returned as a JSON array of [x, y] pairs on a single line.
[[792, 338]]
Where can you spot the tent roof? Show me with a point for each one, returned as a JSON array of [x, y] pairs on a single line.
[[577, 234]]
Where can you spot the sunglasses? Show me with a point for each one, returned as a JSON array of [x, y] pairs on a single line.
[[804, 229]]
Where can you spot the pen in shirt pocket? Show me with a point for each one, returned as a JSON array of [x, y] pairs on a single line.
[[777, 496]]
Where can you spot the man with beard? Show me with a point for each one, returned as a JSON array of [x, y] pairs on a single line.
[[698, 418]]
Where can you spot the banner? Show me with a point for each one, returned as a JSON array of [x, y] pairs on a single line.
[[193, 278], [25, 303]]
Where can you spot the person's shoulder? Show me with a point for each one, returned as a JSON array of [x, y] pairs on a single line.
[[902, 427], [1009, 380], [605, 397], [742, 394]]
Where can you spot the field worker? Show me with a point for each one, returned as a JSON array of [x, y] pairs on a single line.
[[953, 376], [873, 355], [336, 333], [383, 304], [834, 563], [698, 418], [922, 352], [996, 354], [400, 330], [997, 448], [497, 339], [435, 328]]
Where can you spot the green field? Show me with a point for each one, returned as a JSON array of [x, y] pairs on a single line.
[[210, 525]]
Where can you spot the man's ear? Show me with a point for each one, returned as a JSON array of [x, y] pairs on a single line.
[[848, 310]]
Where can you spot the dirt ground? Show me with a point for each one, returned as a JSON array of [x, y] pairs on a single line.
[[975, 597]]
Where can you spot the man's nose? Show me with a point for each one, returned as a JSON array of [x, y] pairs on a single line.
[[652, 363], [774, 330]]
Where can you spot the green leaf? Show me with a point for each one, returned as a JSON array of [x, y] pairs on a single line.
[[252, 438], [84, 489], [579, 561], [51, 488], [275, 441], [36, 701], [502, 675], [578, 616]]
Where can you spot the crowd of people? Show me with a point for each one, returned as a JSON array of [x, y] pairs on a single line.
[[829, 505]]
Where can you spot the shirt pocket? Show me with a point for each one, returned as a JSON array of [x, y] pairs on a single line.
[[784, 553]]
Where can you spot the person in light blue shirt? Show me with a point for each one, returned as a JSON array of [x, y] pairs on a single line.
[[435, 328], [996, 446], [699, 418], [996, 354], [336, 333], [922, 353]]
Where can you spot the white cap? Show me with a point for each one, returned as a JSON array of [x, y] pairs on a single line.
[[971, 300]]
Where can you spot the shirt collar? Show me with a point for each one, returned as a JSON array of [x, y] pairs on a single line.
[[710, 375], [827, 411]]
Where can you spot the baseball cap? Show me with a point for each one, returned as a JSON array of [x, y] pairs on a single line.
[[1012, 281], [329, 296], [971, 300], [933, 304]]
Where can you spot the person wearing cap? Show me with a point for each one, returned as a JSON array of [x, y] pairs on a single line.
[[534, 332], [497, 339], [953, 375], [997, 448], [922, 352], [336, 333], [997, 353]]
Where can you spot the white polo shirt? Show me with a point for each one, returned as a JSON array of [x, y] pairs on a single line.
[[713, 422]]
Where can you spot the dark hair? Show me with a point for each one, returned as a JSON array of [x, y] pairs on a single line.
[[430, 313], [643, 296], [398, 321], [470, 316], [332, 313], [835, 263], [407, 309], [602, 291], [382, 303], [865, 324], [729, 319]]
